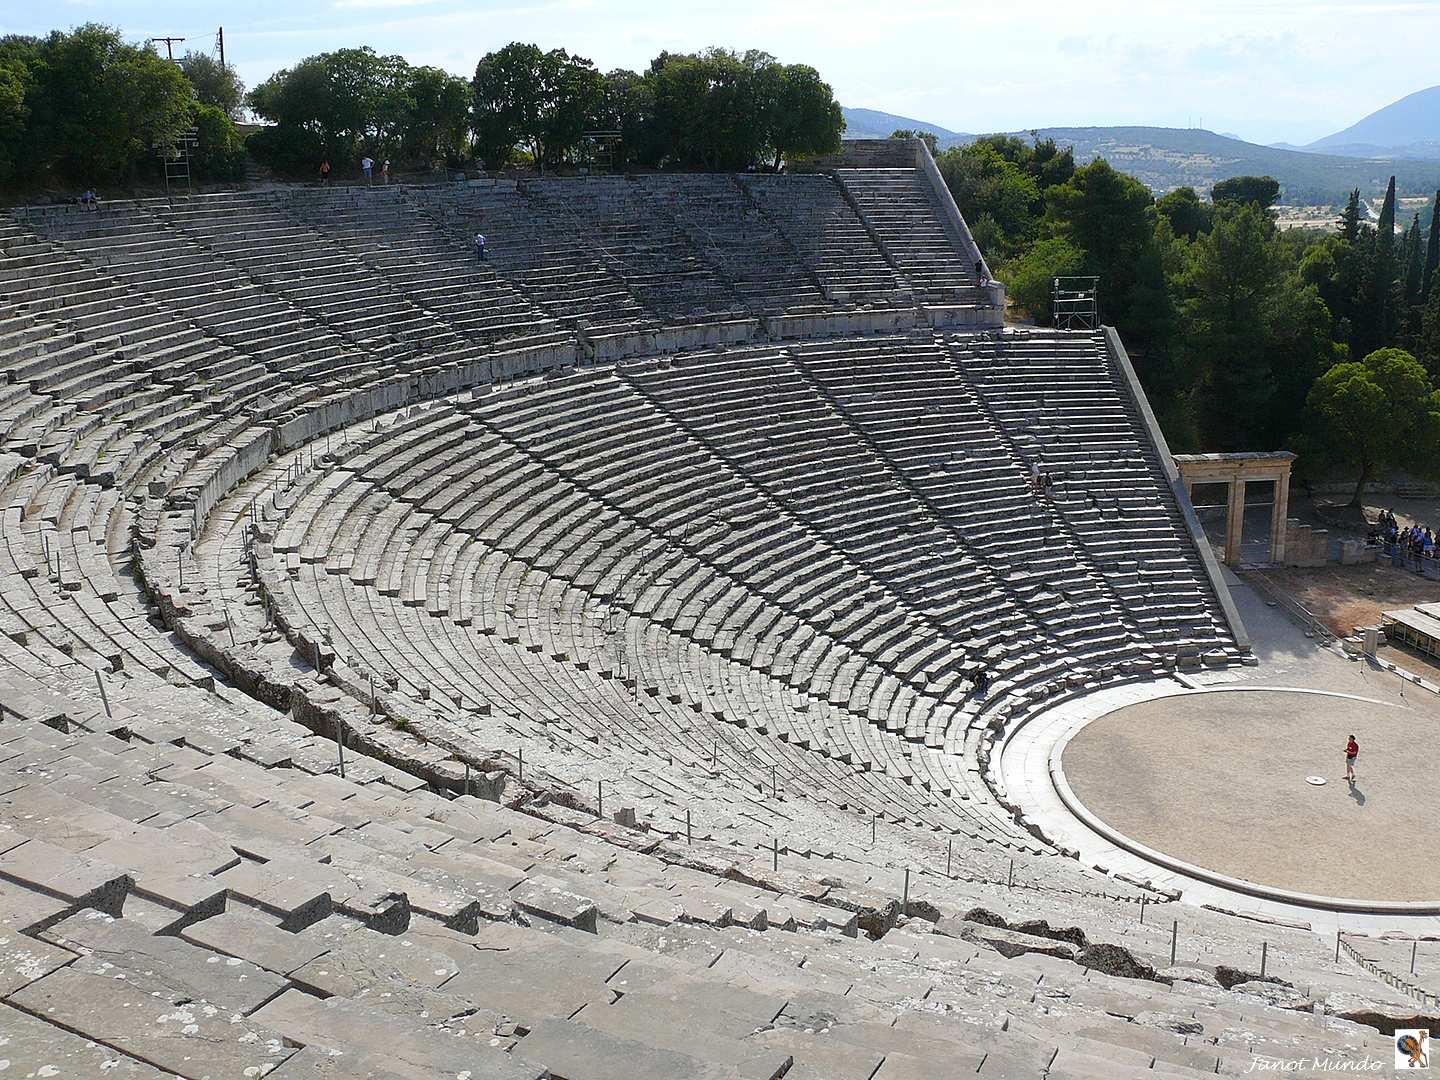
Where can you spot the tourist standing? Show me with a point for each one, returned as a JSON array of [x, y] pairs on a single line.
[[1352, 751], [385, 172], [367, 166], [980, 682], [324, 172], [480, 246]]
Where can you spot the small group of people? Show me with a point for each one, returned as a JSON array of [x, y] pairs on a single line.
[[1040, 480], [89, 200], [367, 169], [1417, 542]]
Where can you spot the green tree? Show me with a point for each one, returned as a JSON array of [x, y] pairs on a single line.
[[628, 107], [354, 100], [1427, 347], [1111, 218], [1432, 251], [1000, 200], [1382, 412], [99, 109], [1336, 269], [1381, 319], [1049, 164], [1230, 282], [340, 105], [1028, 279], [437, 120], [929, 138], [1188, 215], [215, 83], [805, 119], [18, 57], [219, 153], [1414, 261], [1261, 191], [540, 100], [1350, 218]]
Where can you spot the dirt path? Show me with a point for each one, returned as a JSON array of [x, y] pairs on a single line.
[[1344, 597]]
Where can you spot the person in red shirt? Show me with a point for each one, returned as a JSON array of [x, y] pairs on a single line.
[[1352, 750]]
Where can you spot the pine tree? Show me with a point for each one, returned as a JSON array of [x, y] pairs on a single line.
[[1383, 273], [1350, 218], [1414, 261], [1432, 253]]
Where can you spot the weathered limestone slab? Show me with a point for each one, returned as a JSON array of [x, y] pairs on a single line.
[[401, 1046], [24, 910], [119, 948], [572, 1049], [358, 959], [24, 959], [74, 879], [193, 1040], [32, 1047], [549, 899], [297, 893], [252, 936], [324, 1063]]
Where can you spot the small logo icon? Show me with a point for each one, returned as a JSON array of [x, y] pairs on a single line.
[[1412, 1048]]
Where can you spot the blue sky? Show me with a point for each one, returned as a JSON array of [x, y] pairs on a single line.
[[1267, 70]]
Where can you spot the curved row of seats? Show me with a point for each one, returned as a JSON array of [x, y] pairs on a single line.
[[622, 524]]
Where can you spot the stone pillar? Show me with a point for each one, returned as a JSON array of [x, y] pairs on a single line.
[[1279, 515], [1235, 522]]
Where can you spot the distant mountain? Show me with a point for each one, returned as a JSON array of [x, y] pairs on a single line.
[[1167, 158], [1408, 128], [873, 124]]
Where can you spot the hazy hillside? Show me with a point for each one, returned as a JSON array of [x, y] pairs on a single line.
[[1166, 158], [1409, 127], [873, 124]]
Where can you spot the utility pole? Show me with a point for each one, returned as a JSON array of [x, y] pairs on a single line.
[[169, 45], [220, 41]]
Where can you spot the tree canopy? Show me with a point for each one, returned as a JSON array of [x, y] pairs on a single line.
[[1261, 191], [214, 83], [929, 138], [86, 107], [352, 102], [542, 101], [1380, 412]]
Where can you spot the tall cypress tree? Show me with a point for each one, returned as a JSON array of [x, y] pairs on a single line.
[[1386, 228], [1432, 253], [1350, 218], [1382, 273], [1414, 261]]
